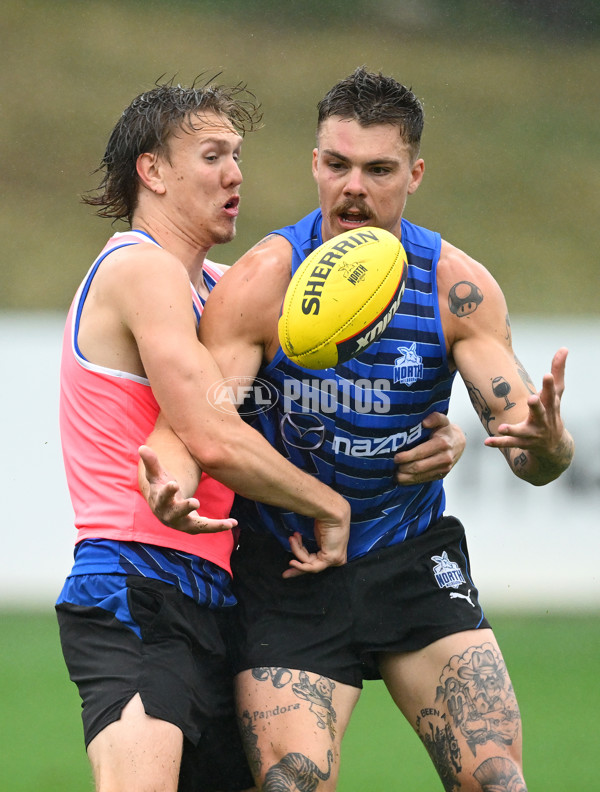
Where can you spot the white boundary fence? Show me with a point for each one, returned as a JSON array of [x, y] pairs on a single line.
[[531, 548]]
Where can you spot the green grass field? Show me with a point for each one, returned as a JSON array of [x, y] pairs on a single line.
[[553, 661]]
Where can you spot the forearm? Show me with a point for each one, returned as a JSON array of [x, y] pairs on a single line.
[[238, 456], [174, 457], [249, 465]]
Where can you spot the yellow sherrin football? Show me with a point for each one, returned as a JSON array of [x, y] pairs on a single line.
[[342, 297]]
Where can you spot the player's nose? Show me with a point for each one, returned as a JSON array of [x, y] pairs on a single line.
[[355, 182], [232, 174]]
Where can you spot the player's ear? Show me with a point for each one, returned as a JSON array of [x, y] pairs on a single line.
[[417, 170], [149, 172], [315, 159]]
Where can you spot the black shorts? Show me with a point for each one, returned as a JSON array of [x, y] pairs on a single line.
[[179, 668], [336, 623]]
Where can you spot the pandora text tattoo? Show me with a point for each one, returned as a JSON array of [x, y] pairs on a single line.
[[317, 694]]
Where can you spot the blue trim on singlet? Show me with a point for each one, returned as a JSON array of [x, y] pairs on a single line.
[[85, 290], [100, 565], [346, 432]]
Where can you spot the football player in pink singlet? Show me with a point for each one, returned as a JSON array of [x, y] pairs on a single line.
[[141, 613]]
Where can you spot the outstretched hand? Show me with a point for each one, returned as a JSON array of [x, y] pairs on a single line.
[[167, 502], [542, 434], [434, 458], [543, 430]]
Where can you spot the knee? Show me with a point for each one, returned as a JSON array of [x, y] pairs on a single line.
[[297, 771], [498, 772]]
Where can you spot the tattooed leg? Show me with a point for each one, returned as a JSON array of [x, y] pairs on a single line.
[[292, 723], [296, 772], [458, 696]]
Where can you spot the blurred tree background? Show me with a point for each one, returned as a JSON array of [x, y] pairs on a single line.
[[511, 90]]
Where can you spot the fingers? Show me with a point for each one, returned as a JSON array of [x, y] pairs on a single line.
[[152, 465], [306, 562], [209, 525], [435, 420], [435, 457], [166, 496], [559, 362]]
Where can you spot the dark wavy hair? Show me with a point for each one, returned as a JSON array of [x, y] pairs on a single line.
[[372, 98], [146, 125]]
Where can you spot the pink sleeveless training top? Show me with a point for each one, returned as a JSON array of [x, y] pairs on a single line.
[[105, 415]]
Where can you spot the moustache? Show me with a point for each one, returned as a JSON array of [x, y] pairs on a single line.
[[358, 207]]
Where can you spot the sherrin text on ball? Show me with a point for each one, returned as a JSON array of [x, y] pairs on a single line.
[[342, 297]]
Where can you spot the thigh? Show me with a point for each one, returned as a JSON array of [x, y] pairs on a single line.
[[292, 723], [457, 695], [137, 752]]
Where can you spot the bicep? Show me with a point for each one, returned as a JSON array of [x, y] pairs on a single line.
[[481, 347], [179, 368]]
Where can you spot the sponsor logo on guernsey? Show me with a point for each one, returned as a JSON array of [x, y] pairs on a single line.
[[374, 446], [408, 366], [302, 430], [447, 573]]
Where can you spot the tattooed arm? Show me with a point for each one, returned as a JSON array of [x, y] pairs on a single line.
[[524, 424]]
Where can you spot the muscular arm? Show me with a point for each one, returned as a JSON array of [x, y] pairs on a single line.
[[217, 439], [524, 424]]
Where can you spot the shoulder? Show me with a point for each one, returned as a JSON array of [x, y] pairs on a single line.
[[469, 296], [247, 300], [264, 271], [455, 267], [143, 256], [142, 274]]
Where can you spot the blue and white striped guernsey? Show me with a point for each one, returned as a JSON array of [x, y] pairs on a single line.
[[345, 424]]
